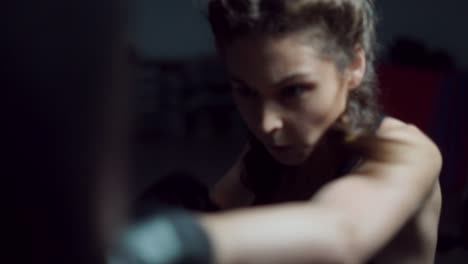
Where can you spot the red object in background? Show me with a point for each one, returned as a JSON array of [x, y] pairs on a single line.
[[428, 99], [410, 94]]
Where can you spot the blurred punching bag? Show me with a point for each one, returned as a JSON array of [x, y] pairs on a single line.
[[60, 98]]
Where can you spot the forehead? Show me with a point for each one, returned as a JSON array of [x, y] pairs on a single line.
[[269, 59]]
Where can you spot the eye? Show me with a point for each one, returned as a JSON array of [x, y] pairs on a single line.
[[295, 91]]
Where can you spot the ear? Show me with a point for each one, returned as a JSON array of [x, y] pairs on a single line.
[[357, 69]]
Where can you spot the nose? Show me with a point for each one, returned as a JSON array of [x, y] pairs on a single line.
[[271, 120]]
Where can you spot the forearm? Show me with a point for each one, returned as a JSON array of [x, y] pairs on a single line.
[[290, 233]]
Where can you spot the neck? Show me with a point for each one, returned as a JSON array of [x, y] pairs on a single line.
[[325, 161]]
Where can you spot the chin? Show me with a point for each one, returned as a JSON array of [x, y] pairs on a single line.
[[289, 159]]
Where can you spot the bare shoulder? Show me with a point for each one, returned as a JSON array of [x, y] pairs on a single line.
[[402, 156], [396, 129], [416, 242], [397, 177], [413, 137], [410, 143]]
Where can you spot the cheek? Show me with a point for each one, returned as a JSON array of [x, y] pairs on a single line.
[[317, 113], [326, 105], [316, 110]]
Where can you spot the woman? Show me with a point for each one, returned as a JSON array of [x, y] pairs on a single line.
[[354, 186]]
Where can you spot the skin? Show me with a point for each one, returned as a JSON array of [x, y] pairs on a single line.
[[385, 210], [287, 94]]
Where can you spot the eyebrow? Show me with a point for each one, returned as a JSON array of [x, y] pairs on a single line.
[[294, 77], [291, 78]]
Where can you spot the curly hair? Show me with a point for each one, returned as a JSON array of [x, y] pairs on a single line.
[[341, 26]]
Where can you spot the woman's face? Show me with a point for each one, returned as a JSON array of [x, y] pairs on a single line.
[[286, 92]]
